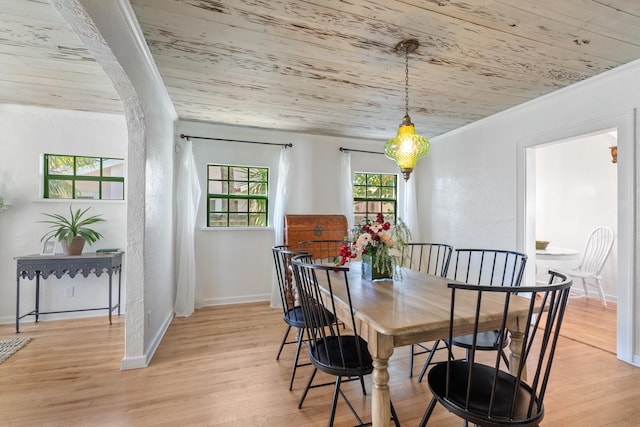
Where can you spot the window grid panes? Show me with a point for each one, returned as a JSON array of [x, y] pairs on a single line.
[[374, 193], [237, 196], [82, 177]]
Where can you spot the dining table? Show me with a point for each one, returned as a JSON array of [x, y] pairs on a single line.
[[556, 253], [557, 258], [411, 309]]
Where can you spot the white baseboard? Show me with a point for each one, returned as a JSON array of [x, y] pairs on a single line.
[[133, 363], [144, 360], [578, 292], [6, 320], [237, 300]]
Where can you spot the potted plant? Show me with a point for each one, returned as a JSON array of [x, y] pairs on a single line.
[[73, 232]]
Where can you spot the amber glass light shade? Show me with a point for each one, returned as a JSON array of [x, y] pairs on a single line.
[[407, 147]]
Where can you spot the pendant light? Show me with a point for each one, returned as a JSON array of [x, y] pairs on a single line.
[[407, 146]]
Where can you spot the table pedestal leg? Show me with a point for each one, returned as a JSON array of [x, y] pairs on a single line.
[[515, 346], [381, 349]]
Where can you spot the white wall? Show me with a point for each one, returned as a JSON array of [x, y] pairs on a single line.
[[468, 187], [27, 134], [576, 191], [471, 189], [234, 266]]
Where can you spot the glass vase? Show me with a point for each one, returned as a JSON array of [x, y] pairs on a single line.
[[371, 272]]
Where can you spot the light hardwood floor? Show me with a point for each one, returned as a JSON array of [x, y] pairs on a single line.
[[218, 368]]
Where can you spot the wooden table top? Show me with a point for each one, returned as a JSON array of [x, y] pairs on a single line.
[[416, 308]]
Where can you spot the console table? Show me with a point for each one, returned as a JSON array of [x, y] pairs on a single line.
[[37, 266]]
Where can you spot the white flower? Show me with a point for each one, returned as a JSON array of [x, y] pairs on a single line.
[[375, 227], [363, 240]]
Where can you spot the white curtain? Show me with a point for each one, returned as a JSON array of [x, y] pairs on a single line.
[[278, 219], [346, 188], [188, 295], [410, 209]]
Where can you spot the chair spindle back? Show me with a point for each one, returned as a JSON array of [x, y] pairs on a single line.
[[431, 258]]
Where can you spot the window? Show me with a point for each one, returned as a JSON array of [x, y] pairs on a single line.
[[237, 196], [79, 177], [374, 193]]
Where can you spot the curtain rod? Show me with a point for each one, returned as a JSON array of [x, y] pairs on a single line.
[[183, 136], [348, 150]]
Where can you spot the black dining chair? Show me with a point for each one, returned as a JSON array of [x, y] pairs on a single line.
[[430, 258], [322, 251], [480, 392], [292, 311], [334, 350], [490, 267]]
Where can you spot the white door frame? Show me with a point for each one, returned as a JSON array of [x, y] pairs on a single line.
[[625, 125]]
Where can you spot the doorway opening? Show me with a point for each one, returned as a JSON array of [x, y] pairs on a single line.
[[620, 264], [576, 192]]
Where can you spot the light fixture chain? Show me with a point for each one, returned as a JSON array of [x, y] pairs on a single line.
[[406, 82], [407, 146]]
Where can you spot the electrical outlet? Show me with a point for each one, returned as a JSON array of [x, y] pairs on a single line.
[[68, 291]]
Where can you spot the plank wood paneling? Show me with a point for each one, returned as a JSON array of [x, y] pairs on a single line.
[[44, 63], [218, 368], [329, 68]]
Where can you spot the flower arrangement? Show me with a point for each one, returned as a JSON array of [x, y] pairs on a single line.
[[379, 243]]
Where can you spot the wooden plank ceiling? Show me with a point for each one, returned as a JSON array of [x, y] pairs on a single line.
[[329, 67], [44, 63]]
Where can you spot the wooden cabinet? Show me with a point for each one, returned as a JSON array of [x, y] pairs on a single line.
[[298, 228]]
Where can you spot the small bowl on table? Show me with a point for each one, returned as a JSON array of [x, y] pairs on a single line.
[[541, 245]]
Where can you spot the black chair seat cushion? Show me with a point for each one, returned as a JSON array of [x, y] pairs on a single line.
[[327, 357], [294, 317], [488, 340], [478, 408]]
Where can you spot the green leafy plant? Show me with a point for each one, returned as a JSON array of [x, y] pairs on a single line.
[[63, 228]]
